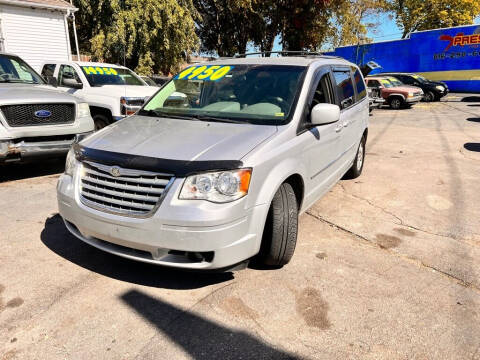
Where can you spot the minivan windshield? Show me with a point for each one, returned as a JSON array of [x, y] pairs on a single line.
[[259, 94], [107, 75], [15, 70]]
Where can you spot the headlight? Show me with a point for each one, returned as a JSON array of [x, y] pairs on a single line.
[[83, 110], [217, 187], [70, 163], [439, 87]]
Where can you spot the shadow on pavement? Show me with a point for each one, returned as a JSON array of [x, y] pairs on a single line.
[[201, 338], [472, 147], [58, 239], [471, 99], [11, 172], [474, 119]]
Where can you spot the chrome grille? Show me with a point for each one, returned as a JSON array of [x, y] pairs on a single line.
[[131, 193]]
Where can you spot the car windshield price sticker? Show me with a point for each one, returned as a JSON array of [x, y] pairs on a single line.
[[204, 72], [97, 70]]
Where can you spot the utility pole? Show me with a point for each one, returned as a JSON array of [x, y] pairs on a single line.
[[72, 16]]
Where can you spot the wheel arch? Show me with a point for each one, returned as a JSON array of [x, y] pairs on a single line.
[[98, 110]]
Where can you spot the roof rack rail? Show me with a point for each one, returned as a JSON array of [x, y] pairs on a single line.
[[282, 52]]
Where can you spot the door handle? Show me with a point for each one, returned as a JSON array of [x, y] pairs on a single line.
[[339, 128]]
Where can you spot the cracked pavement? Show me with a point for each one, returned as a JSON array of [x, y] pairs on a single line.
[[387, 266]]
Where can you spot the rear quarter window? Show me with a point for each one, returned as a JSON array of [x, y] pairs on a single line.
[[48, 70]]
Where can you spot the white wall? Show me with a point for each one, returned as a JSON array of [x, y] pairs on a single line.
[[36, 35]]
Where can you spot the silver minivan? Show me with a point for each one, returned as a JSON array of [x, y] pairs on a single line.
[[215, 168]]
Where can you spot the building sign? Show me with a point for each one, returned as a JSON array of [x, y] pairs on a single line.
[[467, 44]]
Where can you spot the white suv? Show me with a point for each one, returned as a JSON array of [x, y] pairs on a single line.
[[112, 91], [216, 167]]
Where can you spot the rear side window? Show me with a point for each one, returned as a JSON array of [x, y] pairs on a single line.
[[48, 70], [360, 85], [344, 88]]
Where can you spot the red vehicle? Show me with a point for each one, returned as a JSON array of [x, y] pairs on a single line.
[[395, 93]]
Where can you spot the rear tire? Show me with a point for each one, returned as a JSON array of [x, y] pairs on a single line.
[[280, 233], [100, 121], [356, 170]]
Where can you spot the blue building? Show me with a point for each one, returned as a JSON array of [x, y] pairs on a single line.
[[451, 55]]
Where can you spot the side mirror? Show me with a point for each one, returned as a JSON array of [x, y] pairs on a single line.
[[72, 83], [52, 81], [322, 114]]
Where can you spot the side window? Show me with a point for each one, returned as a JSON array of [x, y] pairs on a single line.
[[324, 92], [66, 74], [344, 88], [407, 80], [373, 84], [48, 70], [360, 85]]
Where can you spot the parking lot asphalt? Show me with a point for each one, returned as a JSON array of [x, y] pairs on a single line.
[[387, 266]]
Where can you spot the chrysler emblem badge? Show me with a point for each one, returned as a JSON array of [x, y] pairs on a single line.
[[115, 171]]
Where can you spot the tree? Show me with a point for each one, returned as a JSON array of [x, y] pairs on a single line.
[[146, 35], [225, 26], [354, 18], [412, 15]]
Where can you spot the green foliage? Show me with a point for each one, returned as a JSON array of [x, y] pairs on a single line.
[[412, 15], [226, 26], [146, 35]]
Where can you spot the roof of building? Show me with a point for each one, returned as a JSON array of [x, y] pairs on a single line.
[[49, 4]]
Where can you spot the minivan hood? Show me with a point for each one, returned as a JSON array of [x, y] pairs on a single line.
[[125, 90], [174, 139], [14, 93]]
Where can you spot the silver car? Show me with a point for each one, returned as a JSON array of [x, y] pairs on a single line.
[[214, 170]]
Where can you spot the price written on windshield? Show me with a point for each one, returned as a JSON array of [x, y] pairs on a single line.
[[89, 70], [204, 72]]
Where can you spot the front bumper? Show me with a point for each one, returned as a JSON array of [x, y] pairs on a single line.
[[374, 103], [184, 234], [414, 99], [18, 150]]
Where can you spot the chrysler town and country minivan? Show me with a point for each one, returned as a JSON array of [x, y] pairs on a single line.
[[216, 167]]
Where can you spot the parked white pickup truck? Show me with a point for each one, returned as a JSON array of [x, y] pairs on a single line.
[[112, 91], [36, 120]]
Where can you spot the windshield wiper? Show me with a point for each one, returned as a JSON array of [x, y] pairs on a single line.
[[158, 113], [218, 119]]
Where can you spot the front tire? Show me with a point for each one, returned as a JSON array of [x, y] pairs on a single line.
[[429, 96], [356, 170], [396, 103], [280, 233], [100, 121]]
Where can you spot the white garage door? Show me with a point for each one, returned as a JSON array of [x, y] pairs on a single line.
[[36, 35]]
